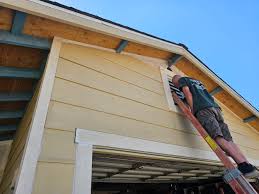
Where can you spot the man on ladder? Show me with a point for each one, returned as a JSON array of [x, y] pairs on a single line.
[[208, 113]]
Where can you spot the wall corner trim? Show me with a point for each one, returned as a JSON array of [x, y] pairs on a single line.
[[33, 144]]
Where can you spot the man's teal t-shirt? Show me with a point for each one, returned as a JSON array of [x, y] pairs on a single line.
[[201, 97]]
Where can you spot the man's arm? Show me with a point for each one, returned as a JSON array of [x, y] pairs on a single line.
[[188, 96]]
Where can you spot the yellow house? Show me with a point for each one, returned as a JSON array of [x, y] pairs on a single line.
[[86, 105]]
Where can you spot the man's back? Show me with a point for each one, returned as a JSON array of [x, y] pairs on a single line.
[[201, 97]]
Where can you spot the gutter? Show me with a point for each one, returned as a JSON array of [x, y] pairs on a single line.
[[64, 14]]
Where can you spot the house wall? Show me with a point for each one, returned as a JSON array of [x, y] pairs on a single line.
[[113, 93], [17, 148]]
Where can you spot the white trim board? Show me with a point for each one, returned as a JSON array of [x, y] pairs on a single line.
[[33, 145], [165, 74], [134, 144], [83, 171], [52, 12]]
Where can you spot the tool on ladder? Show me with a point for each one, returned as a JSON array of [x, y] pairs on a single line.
[[232, 175]]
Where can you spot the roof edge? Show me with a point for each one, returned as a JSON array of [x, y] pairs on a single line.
[[64, 15]]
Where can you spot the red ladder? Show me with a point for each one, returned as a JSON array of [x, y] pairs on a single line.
[[232, 175]]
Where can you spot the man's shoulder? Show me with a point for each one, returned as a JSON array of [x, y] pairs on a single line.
[[185, 78]]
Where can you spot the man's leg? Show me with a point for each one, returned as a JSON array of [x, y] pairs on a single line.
[[212, 120], [243, 165], [231, 149]]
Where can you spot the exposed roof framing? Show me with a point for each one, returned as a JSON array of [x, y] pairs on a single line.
[[18, 22], [216, 90], [10, 97], [11, 114], [45, 19], [249, 119], [21, 65], [173, 60], [14, 72], [121, 46], [24, 40], [4, 128]]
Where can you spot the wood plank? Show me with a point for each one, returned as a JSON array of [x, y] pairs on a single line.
[[18, 22], [255, 124], [78, 95], [244, 130], [129, 62], [12, 105], [42, 27], [15, 56], [190, 70], [232, 104], [8, 128], [64, 146], [24, 40], [116, 71], [68, 117], [147, 51], [53, 178], [242, 140], [14, 97], [24, 73], [11, 114], [16, 85], [9, 121], [6, 18], [88, 77]]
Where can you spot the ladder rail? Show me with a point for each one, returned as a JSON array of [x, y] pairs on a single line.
[[240, 185]]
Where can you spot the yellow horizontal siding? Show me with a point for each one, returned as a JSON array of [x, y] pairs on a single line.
[[81, 54], [78, 95], [68, 117], [58, 146], [117, 71], [53, 178], [88, 77]]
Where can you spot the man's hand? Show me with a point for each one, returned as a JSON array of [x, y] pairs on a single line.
[[188, 96]]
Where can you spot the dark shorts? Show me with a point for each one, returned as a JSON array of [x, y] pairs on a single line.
[[211, 119]]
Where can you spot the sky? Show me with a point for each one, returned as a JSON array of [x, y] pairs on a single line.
[[223, 34]]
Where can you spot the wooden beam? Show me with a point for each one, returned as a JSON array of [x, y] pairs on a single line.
[[5, 128], [6, 137], [14, 72], [122, 46], [18, 22], [12, 97], [216, 90], [173, 60], [249, 119], [11, 114], [24, 40]]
